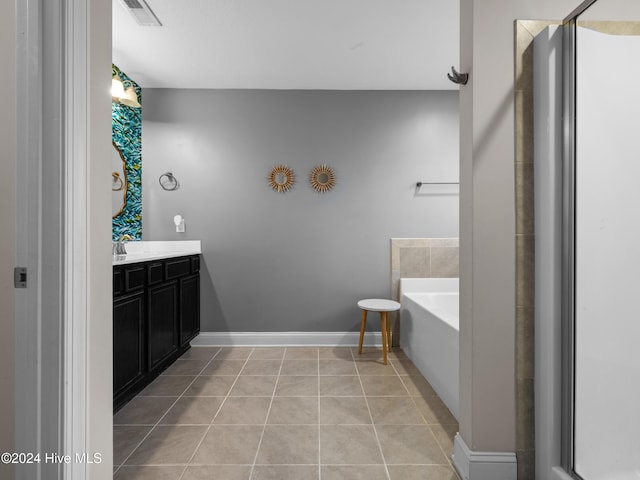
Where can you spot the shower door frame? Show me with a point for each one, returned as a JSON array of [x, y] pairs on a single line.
[[568, 280], [555, 329], [553, 202]]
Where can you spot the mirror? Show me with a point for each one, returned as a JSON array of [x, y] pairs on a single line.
[[322, 178], [118, 182], [281, 178]]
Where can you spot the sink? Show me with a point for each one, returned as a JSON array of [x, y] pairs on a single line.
[[143, 251]]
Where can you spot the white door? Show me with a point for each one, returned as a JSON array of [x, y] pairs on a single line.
[[8, 144]]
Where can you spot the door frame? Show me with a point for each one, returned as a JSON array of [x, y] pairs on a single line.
[[63, 317]]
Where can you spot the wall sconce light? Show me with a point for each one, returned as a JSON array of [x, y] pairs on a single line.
[[120, 95]]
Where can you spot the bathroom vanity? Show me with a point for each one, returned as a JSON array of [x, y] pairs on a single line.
[[156, 312]]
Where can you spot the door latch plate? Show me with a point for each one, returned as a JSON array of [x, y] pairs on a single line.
[[20, 277]]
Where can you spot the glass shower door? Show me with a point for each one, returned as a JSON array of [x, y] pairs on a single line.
[[606, 421]]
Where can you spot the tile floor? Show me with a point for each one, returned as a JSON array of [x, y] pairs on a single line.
[[285, 413]]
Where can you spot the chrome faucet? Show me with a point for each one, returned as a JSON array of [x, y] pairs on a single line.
[[118, 247]]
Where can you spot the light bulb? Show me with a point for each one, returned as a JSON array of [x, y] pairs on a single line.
[[117, 88], [130, 98]]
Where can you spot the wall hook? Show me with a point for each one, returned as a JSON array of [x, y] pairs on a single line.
[[459, 78]]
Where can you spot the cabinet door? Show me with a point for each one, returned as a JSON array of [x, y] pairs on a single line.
[[163, 322], [128, 341], [189, 308]]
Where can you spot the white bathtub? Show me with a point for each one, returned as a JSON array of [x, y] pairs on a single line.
[[429, 332]]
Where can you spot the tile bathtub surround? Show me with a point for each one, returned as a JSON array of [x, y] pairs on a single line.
[[421, 258], [285, 413]]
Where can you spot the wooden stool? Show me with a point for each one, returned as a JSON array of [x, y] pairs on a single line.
[[384, 307]]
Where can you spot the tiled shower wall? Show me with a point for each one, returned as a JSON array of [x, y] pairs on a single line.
[[422, 257], [525, 31]]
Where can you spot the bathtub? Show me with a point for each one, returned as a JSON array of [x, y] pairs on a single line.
[[429, 332]]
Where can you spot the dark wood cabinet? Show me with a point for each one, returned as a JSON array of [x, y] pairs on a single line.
[[128, 342], [189, 310], [163, 322], [156, 313]]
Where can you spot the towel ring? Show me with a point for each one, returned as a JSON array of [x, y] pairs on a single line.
[[168, 182]]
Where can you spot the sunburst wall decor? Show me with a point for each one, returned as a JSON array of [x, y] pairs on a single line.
[[281, 178], [322, 178]]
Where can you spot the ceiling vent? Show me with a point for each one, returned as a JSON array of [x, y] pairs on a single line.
[[142, 13]]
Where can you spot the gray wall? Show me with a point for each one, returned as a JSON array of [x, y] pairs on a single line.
[[297, 261], [487, 221]]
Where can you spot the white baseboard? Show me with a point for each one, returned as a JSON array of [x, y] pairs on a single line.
[[286, 339], [483, 465]]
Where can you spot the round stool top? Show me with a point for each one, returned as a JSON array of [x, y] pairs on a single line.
[[378, 305]]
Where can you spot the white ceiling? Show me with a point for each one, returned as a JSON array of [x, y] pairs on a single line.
[[291, 44]]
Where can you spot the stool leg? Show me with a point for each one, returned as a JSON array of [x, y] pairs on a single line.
[[363, 325], [388, 331], [383, 328]]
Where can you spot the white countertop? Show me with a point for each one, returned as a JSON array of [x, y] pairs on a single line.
[[143, 251]]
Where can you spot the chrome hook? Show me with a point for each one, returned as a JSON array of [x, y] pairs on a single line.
[[459, 78]]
